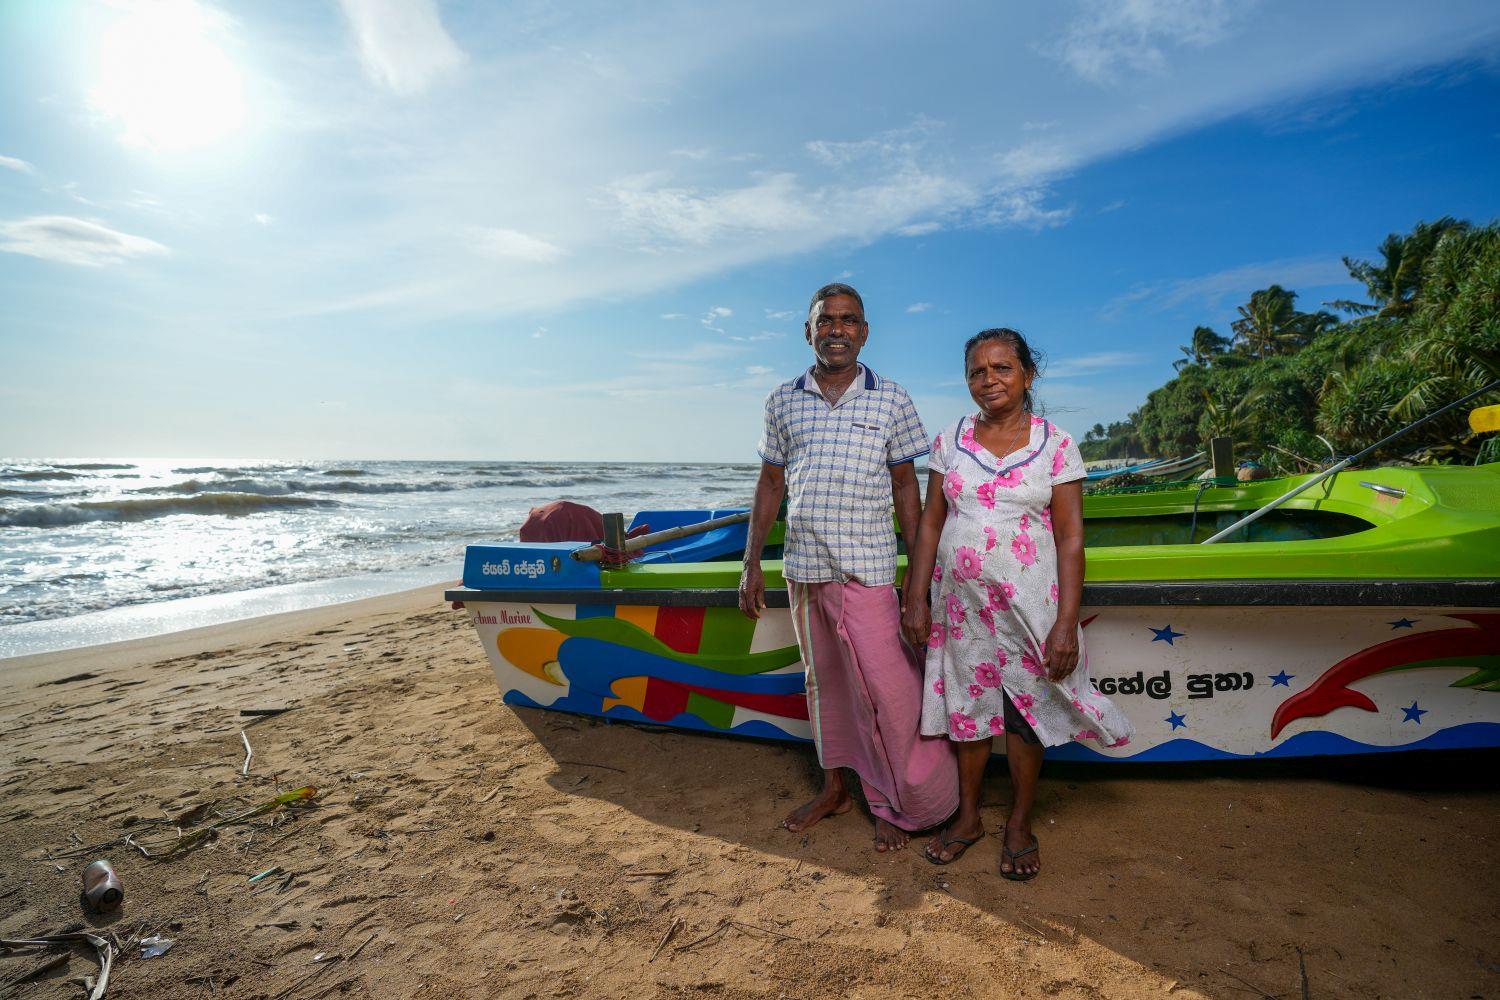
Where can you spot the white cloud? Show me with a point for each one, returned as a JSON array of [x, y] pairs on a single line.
[[71, 240], [919, 229], [1022, 208], [1033, 162], [781, 314], [1211, 290], [12, 163], [774, 203], [402, 43], [513, 245], [1113, 206], [1116, 37], [711, 318], [263, 218], [673, 316], [1092, 364], [759, 370], [919, 307], [539, 333], [756, 337]]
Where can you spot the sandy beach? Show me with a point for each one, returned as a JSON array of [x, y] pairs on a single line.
[[459, 848]]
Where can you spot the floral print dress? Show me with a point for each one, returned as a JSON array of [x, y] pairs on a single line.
[[994, 596]]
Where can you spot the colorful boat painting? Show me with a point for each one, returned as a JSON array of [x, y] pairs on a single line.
[[1362, 617]]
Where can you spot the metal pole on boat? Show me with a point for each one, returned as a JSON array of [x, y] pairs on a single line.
[[594, 553], [1340, 467]]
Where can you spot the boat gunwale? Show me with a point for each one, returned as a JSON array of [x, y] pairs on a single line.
[[1478, 593]]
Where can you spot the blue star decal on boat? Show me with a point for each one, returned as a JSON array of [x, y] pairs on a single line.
[[1280, 680], [1177, 721], [1414, 714], [1165, 635], [1402, 623]]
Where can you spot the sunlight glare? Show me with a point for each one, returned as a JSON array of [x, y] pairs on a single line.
[[166, 80]]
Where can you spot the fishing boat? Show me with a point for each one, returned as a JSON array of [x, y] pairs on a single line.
[[1361, 614]]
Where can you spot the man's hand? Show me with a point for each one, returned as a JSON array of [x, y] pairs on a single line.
[[916, 623], [752, 591], [1060, 656]]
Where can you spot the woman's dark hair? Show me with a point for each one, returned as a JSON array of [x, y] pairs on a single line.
[[1030, 360]]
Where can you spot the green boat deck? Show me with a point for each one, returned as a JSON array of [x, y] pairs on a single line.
[[1423, 523]]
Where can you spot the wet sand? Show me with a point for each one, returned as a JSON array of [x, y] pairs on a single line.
[[466, 849]]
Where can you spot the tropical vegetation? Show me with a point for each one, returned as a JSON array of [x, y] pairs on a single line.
[[1293, 387]]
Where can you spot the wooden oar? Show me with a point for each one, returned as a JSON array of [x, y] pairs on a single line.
[[594, 553]]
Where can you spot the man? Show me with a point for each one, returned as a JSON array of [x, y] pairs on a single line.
[[840, 441]]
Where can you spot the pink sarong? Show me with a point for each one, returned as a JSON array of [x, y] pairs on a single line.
[[864, 700]]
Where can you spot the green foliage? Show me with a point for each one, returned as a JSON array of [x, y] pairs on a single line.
[[1394, 281], [1430, 334]]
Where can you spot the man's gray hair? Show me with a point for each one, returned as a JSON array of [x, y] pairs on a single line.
[[829, 291]]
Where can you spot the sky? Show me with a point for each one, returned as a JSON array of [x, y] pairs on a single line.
[[589, 232]]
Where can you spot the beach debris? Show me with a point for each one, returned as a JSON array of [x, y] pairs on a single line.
[[1255, 989], [104, 952], [584, 763], [40, 971], [729, 923], [101, 887], [1302, 968], [677, 924], [245, 767], [156, 946], [282, 925], [355, 953], [269, 871], [264, 713], [290, 799], [323, 967]]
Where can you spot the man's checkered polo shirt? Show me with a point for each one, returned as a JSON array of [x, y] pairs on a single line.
[[838, 460]]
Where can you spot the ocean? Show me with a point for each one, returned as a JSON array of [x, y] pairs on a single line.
[[78, 537]]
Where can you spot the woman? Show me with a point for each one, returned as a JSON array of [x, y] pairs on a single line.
[[1000, 553]]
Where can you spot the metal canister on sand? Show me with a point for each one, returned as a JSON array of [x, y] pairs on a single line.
[[101, 887]]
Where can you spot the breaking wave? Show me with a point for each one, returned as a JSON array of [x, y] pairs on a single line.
[[38, 475], [87, 466], [57, 515], [279, 488]]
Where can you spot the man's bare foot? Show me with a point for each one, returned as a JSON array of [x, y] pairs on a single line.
[[826, 803], [1022, 857], [889, 837], [948, 844]]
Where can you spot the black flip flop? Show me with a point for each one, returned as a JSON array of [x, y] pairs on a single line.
[[1014, 875], [965, 841]]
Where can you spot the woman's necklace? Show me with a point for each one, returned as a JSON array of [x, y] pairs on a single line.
[[1016, 438]]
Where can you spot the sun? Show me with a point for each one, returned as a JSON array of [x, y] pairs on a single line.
[[164, 77]]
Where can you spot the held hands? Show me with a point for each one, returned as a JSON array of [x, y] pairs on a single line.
[[752, 591], [916, 621], [1060, 655]]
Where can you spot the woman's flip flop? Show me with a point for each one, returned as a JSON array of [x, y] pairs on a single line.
[[1014, 875], [965, 841]]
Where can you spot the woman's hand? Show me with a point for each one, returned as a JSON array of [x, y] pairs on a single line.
[[1060, 655], [916, 622]]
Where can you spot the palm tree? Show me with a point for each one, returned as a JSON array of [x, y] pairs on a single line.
[[1205, 345], [1231, 421], [1393, 282], [1270, 323]]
